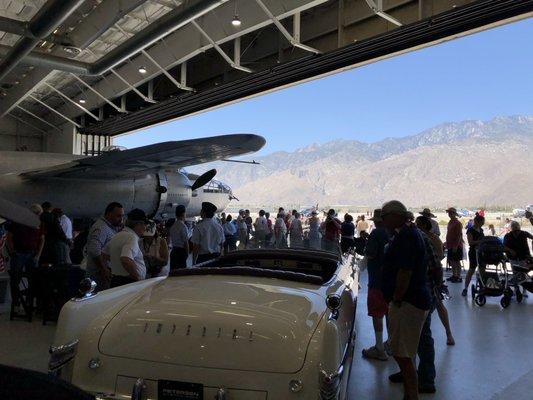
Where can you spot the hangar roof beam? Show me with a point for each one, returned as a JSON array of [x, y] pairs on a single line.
[[285, 32], [378, 10], [42, 25], [39, 118], [219, 49], [28, 124], [71, 101], [55, 111], [159, 66], [96, 92], [133, 88]]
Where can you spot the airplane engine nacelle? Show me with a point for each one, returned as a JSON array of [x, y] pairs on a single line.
[[155, 193], [174, 189]]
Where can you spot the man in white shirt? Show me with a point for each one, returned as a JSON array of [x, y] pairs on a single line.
[[362, 225], [261, 229], [66, 225], [207, 236], [123, 252], [179, 239]]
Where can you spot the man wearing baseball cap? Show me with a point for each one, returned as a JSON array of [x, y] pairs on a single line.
[[426, 212], [207, 236], [123, 252], [454, 244], [404, 285]]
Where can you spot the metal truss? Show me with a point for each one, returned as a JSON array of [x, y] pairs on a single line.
[[294, 40], [377, 8]]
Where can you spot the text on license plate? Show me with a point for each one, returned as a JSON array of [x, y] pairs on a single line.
[[173, 390]]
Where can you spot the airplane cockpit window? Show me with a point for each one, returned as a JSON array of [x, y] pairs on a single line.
[[216, 187], [113, 148]]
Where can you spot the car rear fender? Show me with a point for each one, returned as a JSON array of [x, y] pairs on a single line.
[[76, 316]]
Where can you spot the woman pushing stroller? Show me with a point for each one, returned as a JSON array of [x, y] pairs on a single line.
[[475, 236]]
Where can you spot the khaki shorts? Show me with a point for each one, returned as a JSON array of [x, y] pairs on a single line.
[[405, 326]]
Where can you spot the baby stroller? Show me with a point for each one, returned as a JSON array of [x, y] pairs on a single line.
[[492, 277], [521, 277]]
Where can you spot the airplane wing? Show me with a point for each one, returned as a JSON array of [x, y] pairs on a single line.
[[178, 154], [19, 214]]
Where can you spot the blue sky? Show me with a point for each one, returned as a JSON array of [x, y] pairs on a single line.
[[477, 77]]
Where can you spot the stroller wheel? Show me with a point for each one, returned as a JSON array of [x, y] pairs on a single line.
[[519, 296], [480, 300], [505, 301], [473, 290]]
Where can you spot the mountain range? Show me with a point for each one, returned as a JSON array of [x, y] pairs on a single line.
[[468, 163]]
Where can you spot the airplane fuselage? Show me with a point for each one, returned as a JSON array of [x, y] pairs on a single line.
[[157, 193]]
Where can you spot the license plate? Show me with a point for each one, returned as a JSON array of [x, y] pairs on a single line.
[[172, 390]]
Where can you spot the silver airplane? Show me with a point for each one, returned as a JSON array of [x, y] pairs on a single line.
[[150, 178]]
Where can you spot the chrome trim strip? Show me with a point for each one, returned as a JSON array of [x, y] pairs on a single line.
[[61, 355], [86, 297], [63, 348]]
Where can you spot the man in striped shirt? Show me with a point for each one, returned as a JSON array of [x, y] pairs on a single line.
[[100, 234]]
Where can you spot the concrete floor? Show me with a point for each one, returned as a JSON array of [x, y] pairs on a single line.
[[491, 360]]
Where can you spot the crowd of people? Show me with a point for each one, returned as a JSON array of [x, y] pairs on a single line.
[[118, 248], [403, 256]]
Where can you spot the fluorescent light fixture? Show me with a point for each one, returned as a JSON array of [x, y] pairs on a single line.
[[82, 101], [236, 21], [143, 70]]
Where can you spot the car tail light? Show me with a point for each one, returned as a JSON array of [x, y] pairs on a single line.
[[330, 384]]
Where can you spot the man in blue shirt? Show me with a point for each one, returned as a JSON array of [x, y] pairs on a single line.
[[404, 285]]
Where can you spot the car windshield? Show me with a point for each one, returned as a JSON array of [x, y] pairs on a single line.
[[304, 245], [302, 265]]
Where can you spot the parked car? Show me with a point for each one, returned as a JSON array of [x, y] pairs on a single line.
[[254, 324]]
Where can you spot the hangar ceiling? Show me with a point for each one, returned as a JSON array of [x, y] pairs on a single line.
[[99, 68]]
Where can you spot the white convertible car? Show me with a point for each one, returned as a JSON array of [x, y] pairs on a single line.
[[254, 324]]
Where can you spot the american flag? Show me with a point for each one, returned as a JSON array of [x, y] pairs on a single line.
[[2, 261]]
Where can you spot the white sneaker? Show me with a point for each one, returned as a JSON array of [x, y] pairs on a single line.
[[374, 353]]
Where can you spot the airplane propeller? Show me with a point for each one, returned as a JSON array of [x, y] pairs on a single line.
[[204, 179]]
